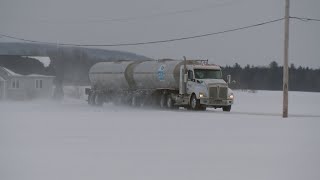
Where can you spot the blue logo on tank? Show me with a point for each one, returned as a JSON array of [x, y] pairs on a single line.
[[161, 73]]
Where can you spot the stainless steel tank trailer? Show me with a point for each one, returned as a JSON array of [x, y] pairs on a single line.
[[166, 83]]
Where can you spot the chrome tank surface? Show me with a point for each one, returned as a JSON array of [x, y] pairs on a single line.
[[109, 75], [161, 74]]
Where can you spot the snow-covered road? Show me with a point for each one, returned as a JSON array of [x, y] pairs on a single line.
[[70, 140]]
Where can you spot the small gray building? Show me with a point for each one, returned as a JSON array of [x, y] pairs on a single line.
[[15, 86]]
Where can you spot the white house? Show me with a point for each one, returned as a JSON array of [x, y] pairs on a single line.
[[21, 87]]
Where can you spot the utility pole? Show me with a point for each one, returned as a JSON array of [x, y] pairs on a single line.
[[285, 64]]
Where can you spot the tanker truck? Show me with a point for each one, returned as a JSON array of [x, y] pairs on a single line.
[[166, 83]]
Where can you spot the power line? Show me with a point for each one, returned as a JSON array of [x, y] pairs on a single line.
[[146, 16], [305, 19], [147, 42]]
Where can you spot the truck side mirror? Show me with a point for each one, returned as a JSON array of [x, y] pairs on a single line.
[[229, 79]]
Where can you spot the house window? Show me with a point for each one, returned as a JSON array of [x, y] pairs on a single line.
[[38, 83], [15, 84]]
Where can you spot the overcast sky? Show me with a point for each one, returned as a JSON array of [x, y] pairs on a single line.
[[127, 21]]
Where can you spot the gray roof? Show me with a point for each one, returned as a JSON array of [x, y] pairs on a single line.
[[10, 73]]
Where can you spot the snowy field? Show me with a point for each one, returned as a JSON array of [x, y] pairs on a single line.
[[70, 140]]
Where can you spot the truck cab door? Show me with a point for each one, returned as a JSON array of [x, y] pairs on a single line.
[[190, 82]]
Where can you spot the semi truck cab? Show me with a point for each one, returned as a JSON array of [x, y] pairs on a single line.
[[206, 88]]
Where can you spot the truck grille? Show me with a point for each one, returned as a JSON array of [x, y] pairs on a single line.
[[218, 92]]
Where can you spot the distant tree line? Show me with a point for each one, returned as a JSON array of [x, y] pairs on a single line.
[[270, 77]]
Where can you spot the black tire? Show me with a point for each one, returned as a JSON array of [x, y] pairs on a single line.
[[226, 108], [134, 101], [162, 101], [117, 100], [170, 103], [203, 108], [91, 98], [154, 101], [98, 100], [194, 103]]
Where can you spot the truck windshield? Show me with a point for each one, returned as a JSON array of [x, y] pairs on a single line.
[[207, 74]]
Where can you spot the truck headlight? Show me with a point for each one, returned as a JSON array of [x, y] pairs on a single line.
[[201, 95], [231, 96]]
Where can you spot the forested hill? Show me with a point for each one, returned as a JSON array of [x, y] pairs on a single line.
[[36, 49], [270, 77]]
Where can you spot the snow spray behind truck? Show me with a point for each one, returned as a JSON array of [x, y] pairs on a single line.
[[166, 83]]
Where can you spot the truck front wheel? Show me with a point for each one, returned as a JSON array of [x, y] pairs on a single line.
[[203, 107], [226, 108], [194, 102]]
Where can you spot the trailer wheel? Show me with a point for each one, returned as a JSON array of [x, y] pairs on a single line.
[[162, 101], [226, 108], [98, 99], [116, 101], [91, 98], [134, 101], [194, 102], [170, 103]]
